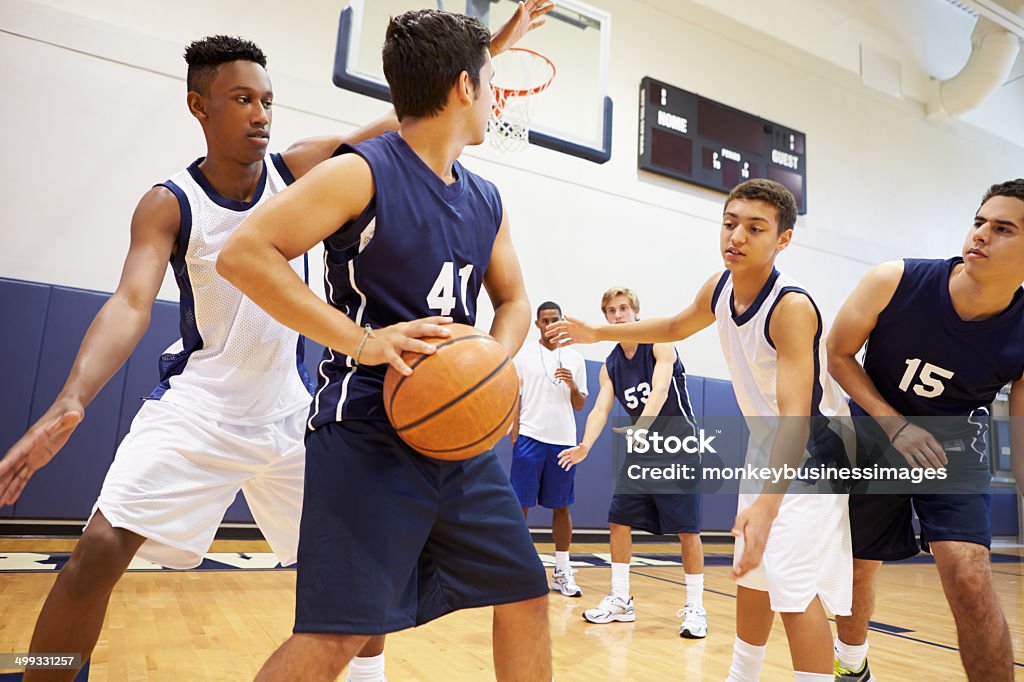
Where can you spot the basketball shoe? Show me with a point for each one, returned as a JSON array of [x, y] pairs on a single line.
[[695, 622], [564, 582], [844, 675], [611, 609]]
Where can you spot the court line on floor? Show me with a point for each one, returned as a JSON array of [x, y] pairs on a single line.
[[874, 629]]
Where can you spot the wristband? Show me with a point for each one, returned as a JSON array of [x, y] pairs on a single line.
[[892, 441]]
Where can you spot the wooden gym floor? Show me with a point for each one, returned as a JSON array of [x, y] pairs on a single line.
[[221, 625]]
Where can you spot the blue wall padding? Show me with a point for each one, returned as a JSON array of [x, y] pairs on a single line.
[[68, 486], [23, 308], [44, 325]]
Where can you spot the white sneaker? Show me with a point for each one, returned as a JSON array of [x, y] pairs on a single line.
[[564, 582], [611, 608], [695, 622]]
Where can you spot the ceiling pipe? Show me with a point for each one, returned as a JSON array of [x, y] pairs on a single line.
[[994, 51]]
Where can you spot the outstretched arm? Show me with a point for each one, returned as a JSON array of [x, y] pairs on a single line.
[[688, 322], [851, 329], [109, 341], [304, 154], [596, 420]]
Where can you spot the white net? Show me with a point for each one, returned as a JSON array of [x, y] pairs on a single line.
[[520, 75]]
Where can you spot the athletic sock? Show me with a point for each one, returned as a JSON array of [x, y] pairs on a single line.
[[812, 677], [366, 669], [695, 589], [561, 561], [851, 656], [620, 581], [747, 660]]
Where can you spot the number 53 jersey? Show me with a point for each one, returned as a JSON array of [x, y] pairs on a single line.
[[928, 362], [420, 248]]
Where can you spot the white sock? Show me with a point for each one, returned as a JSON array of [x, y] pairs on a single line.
[[561, 561], [366, 669], [620, 581], [851, 656], [695, 589], [812, 677], [747, 660]]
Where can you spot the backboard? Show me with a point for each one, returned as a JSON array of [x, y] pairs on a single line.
[[573, 116]]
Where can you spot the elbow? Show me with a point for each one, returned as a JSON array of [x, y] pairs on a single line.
[[228, 262]]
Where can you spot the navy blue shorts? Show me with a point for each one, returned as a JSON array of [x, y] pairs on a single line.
[[882, 525], [536, 475], [390, 539], [657, 514]]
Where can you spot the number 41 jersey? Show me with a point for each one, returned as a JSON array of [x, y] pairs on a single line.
[[928, 362], [420, 248]]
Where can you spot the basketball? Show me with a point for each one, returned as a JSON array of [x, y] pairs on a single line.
[[458, 402]]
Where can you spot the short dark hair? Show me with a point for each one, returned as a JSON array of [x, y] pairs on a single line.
[[424, 53], [1010, 188], [770, 192], [549, 305], [206, 55]]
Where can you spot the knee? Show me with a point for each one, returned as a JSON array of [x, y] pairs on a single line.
[[99, 560], [560, 513], [535, 609]]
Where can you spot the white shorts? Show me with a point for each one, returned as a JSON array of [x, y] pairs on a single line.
[[176, 473], [808, 554]]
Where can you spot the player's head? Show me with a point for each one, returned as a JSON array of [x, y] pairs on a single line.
[[229, 92], [548, 312], [995, 243], [757, 223], [620, 305], [438, 63]]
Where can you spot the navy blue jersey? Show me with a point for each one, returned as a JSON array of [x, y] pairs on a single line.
[[420, 248], [927, 362], [633, 378]]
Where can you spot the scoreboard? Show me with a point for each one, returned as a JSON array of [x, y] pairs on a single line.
[[700, 141]]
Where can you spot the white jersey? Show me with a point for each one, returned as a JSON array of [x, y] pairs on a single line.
[[808, 552], [234, 362], [753, 362], [546, 412]]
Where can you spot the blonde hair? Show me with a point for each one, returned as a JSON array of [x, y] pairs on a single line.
[[614, 292]]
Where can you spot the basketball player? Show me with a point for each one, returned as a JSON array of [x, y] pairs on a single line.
[[554, 385], [943, 336], [229, 412], [648, 381], [770, 331], [391, 539]]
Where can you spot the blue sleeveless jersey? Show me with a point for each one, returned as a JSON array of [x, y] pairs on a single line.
[[420, 248], [632, 380], [927, 362]]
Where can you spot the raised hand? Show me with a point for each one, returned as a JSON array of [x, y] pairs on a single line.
[[528, 16], [386, 345], [37, 447], [570, 330]]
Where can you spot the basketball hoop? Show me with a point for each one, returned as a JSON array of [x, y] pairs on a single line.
[[519, 75]]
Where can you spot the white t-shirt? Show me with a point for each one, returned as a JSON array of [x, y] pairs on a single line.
[[546, 412]]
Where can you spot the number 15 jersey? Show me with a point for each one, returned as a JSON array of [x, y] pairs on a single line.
[[928, 362], [420, 248]]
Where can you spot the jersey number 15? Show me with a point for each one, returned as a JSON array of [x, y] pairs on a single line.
[[929, 383]]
